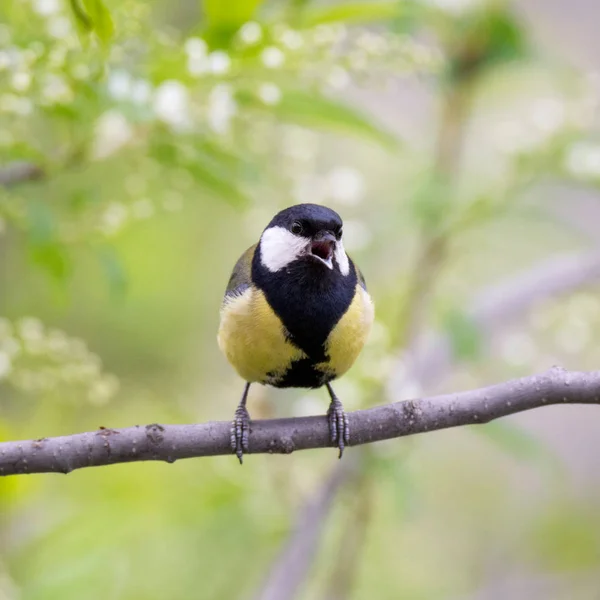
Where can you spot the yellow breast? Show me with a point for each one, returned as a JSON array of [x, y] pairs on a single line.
[[253, 339], [349, 335]]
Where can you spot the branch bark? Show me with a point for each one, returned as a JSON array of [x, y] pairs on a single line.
[[283, 436]]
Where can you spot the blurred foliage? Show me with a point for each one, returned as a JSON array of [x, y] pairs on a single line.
[[158, 140]]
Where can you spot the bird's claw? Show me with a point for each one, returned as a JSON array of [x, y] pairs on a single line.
[[339, 428], [240, 431]]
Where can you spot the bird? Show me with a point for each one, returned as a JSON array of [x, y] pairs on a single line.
[[296, 313]]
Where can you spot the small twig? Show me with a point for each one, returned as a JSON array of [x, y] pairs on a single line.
[[18, 172], [283, 436], [352, 541], [435, 238]]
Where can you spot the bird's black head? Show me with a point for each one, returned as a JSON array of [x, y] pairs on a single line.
[[305, 233]]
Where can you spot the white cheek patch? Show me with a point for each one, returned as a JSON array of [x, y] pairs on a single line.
[[279, 247], [342, 258]]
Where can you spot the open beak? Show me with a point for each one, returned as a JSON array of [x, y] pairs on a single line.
[[322, 247]]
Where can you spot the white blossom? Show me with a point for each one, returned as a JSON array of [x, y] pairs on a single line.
[[119, 85], [21, 80], [171, 103], [221, 108], [346, 185], [47, 7], [452, 6], [291, 39], [197, 61], [114, 218], [112, 132], [31, 329], [269, 93], [548, 114], [583, 159], [324, 34], [219, 62], [103, 389], [338, 78], [59, 27], [56, 90], [250, 32], [141, 91], [19, 105], [272, 57], [198, 65], [195, 46]]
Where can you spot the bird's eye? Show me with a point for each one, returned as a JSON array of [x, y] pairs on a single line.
[[338, 234], [296, 228]]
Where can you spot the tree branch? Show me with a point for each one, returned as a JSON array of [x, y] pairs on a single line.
[[431, 356], [293, 562], [16, 172], [283, 436]]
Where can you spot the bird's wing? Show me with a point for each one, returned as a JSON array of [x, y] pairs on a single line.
[[241, 276], [360, 277]]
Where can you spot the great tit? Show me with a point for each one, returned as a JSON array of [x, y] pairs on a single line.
[[296, 313]]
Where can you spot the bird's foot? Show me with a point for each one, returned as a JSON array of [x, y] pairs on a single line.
[[240, 431], [339, 429]]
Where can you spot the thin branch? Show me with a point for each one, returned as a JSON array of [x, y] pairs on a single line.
[[435, 239], [283, 436], [346, 566], [433, 245], [17, 172], [293, 562], [431, 356]]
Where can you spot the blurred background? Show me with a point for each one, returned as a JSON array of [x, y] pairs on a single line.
[[144, 145]]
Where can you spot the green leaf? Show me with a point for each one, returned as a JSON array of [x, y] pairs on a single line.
[[350, 12], [463, 333], [487, 37], [101, 19], [225, 17], [218, 183], [92, 15], [315, 110], [41, 225], [220, 12], [213, 167], [53, 258], [44, 249], [114, 270], [82, 19]]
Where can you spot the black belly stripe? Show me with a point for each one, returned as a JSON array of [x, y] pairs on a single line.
[[301, 374], [310, 299]]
